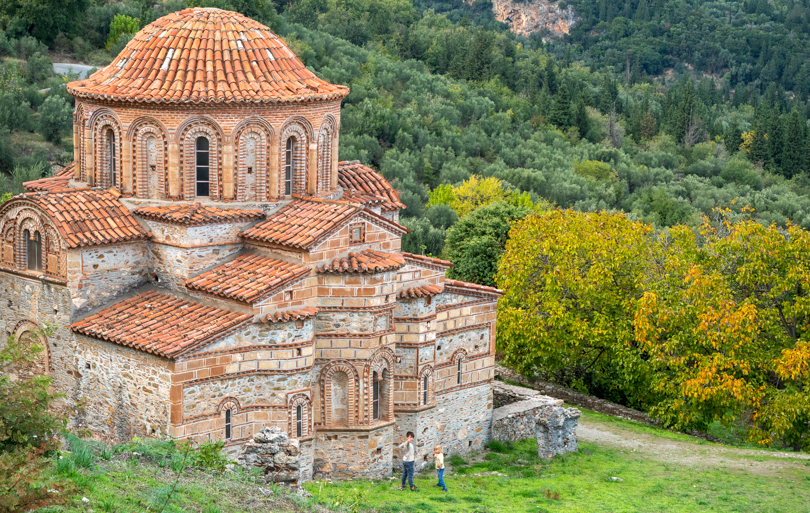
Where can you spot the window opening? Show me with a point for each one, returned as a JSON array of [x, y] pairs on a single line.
[[376, 399], [459, 371], [289, 166], [202, 166], [111, 156], [425, 392], [33, 251], [228, 424], [299, 421]]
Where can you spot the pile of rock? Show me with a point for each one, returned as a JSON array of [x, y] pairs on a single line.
[[528, 414], [275, 453]]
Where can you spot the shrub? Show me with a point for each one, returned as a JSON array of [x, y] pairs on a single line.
[[55, 118]]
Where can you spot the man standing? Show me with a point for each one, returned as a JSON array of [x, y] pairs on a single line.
[[407, 460]]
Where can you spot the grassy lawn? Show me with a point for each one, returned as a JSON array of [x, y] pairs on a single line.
[[575, 482]]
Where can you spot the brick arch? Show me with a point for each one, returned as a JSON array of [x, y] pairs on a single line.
[[146, 182], [42, 365], [458, 358], [78, 122], [326, 137], [264, 133], [352, 389], [9, 235], [382, 361], [229, 402], [459, 354], [306, 421], [101, 121], [53, 253], [27, 219], [301, 129], [187, 134], [426, 372]]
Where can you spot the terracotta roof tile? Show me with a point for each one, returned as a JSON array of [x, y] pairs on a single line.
[[354, 177], [196, 214], [201, 55], [247, 277], [421, 259], [420, 291], [304, 222], [367, 261], [57, 182], [159, 323], [292, 315], [473, 287], [87, 217]]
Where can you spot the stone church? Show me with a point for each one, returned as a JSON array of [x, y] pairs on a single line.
[[212, 268]]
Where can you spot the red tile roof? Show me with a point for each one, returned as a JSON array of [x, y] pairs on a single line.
[[160, 324], [202, 55], [463, 285], [292, 315], [247, 277], [57, 182], [420, 291], [367, 261], [354, 177], [196, 214], [304, 222], [87, 217], [426, 260]]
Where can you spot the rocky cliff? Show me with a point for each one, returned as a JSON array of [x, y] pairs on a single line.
[[531, 16]]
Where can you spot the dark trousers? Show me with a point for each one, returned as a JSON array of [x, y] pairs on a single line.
[[441, 479], [407, 473]]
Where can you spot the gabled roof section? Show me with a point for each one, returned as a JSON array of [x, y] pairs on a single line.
[[87, 217], [160, 324], [247, 278], [205, 55], [306, 221], [367, 261], [292, 315], [197, 214], [360, 181], [56, 183], [422, 260], [419, 291], [464, 287]]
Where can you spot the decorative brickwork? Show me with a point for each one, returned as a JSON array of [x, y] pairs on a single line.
[[149, 159]]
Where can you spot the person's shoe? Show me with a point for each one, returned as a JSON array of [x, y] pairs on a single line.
[[437, 484], [444, 489], [403, 488], [414, 489]]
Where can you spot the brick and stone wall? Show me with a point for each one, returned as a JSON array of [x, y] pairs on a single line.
[[98, 274], [353, 454]]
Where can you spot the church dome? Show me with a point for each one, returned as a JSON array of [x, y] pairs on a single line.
[[205, 55]]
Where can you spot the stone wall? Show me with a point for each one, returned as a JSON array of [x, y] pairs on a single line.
[[353, 454], [99, 274], [526, 414], [273, 452]]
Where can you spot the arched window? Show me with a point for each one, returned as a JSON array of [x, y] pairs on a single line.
[[201, 166], [375, 402], [110, 136], [228, 413], [299, 421], [425, 390], [459, 370], [33, 251], [340, 398], [289, 165]]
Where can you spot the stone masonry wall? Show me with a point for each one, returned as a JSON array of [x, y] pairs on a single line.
[[98, 274], [353, 454]]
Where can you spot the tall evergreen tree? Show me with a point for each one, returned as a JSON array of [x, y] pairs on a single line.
[[776, 143], [642, 11], [581, 119], [550, 76], [561, 112], [793, 155]]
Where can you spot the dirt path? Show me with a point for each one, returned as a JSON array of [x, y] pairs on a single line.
[[693, 454]]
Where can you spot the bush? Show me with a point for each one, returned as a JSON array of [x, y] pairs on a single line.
[[38, 67], [55, 118]]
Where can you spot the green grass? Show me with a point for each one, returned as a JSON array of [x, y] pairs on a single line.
[[577, 482]]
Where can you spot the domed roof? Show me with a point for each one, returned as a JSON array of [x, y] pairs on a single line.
[[203, 55]]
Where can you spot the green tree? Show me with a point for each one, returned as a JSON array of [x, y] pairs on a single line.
[[477, 240], [55, 118], [793, 158], [561, 112], [122, 25]]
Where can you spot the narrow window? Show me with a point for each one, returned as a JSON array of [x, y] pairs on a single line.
[[425, 392], [228, 424], [111, 156], [289, 166], [299, 421], [33, 251], [459, 371], [202, 167], [376, 399]]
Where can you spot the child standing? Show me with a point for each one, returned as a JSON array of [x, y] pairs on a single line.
[[439, 457], [407, 460]]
